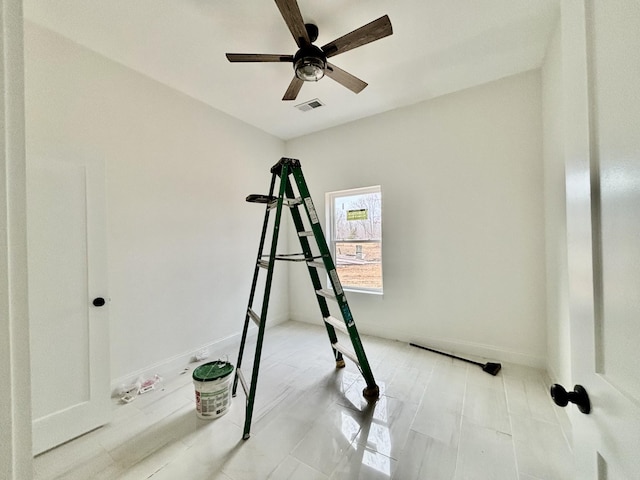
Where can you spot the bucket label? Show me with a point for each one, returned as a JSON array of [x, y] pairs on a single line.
[[212, 404]]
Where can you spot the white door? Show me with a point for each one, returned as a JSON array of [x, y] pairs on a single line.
[[67, 272], [603, 220]]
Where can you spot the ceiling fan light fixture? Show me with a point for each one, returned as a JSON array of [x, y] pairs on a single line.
[[309, 69], [310, 64]]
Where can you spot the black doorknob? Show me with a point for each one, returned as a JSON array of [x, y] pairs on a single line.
[[98, 302], [579, 396]]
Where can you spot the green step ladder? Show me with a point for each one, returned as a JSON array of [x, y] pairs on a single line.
[[286, 197]]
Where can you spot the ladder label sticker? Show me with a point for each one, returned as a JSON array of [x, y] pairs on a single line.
[[311, 209], [337, 286]]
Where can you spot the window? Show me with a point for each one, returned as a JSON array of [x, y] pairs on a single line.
[[354, 227]]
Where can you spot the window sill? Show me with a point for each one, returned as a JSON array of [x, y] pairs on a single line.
[[362, 290]]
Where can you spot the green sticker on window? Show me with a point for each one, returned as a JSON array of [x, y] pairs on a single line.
[[357, 214]]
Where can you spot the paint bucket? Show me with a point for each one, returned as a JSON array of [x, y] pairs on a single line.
[[213, 393]]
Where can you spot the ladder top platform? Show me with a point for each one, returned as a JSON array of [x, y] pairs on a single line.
[[290, 162]]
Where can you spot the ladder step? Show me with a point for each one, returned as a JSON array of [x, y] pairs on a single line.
[[337, 324], [254, 316], [316, 264], [307, 233], [326, 293], [243, 382], [346, 352], [289, 257], [290, 202]]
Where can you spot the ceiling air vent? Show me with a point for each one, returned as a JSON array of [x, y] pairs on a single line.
[[310, 105]]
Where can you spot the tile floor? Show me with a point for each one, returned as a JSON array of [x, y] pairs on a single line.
[[437, 418]]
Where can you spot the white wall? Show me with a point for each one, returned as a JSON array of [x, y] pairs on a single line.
[[463, 226], [182, 240], [558, 320], [462, 180]]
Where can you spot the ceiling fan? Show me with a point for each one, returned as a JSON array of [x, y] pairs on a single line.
[[310, 62]]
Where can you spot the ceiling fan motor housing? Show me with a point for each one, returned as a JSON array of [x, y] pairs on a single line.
[[309, 63], [312, 31]]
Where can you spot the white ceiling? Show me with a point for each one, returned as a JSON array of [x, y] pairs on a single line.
[[438, 47]]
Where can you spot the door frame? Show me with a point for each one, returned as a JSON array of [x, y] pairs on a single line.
[[15, 395]]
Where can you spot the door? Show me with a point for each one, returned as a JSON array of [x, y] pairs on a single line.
[[66, 241], [603, 222]]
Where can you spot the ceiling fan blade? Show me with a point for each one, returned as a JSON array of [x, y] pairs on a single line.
[[294, 88], [344, 78], [293, 18], [258, 57], [368, 33]]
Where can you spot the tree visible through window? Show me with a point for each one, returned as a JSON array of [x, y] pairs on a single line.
[[355, 237]]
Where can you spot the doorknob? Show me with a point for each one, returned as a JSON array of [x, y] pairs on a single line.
[[579, 396], [98, 302]]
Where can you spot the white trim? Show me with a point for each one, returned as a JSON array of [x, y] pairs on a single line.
[[481, 352], [329, 221], [15, 393], [363, 290], [471, 350], [174, 366]]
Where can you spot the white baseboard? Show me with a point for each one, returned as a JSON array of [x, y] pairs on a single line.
[[173, 366], [229, 345], [480, 352], [472, 351]]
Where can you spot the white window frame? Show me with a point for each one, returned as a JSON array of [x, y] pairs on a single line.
[[330, 198]]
